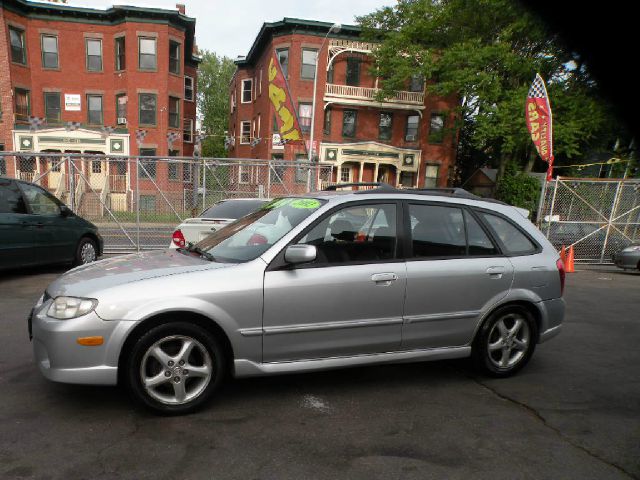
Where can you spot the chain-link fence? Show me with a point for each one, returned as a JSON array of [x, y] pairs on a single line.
[[597, 217], [137, 202]]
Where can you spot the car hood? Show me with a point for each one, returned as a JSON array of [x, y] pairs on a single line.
[[84, 280]]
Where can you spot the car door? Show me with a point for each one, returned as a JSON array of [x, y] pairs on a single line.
[[454, 270], [55, 235], [349, 300], [17, 235]]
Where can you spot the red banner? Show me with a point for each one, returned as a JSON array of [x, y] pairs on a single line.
[[286, 115], [539, 121]]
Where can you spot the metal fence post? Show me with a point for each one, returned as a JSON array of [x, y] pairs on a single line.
[[138, 204], [204, 183], [72, 187], [553, 200]]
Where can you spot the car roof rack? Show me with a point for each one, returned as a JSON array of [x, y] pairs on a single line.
[[379, 185]]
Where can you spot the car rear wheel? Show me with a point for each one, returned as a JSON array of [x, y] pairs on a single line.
[[505, 342], [174, 368], [86, 252]]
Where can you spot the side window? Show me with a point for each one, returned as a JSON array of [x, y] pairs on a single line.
[[437, 231], [11, 200], [39, 201], [363, 233], [479, 242], [515, 242]]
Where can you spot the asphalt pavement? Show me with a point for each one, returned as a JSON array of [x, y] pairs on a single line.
[[573, 412]]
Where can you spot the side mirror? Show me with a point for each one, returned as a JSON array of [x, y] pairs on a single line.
[[65, 211], [300, 253]]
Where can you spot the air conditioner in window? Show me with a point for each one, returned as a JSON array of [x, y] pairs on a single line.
[[411, 138], [122, 121]]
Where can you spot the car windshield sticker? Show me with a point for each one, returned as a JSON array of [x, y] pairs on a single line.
[[305, 203]]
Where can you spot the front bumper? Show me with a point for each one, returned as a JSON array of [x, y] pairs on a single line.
[[61, 358]]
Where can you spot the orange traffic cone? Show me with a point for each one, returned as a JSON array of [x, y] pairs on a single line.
[[568, 265], [563, 255]]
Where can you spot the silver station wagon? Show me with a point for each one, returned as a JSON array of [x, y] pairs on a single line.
[[329, 280]]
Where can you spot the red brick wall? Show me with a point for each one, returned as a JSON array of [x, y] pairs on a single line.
[[6, 99]]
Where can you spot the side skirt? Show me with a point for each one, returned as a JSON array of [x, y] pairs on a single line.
[[247, 368]]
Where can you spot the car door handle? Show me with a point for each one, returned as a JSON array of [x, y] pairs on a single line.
[[495, 272], [384, 278]]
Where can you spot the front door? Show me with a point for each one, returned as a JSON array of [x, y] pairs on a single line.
[[17, 233], [349, 300], [454, 271]]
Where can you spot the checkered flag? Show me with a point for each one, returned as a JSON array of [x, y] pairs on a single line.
[[35, 122], [140, 134], [537, 89], [72, 126], [255, 142], [106, 131], [172, 137]]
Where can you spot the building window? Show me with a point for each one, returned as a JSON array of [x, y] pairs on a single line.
[[411, 134], [147, 59], [245, 132], [431, 176], [147, 203], [247, 87], [22, 104], [407, 179], [49, 45], [349, 123], [18, 50], [330, 73], [148, 164], [147, 103], [309, 59], [120, 54], [174, 112], [94, 109], [52, 107], [187, 172], [121, 109], [345, 174], [302, 170], [417, 83], [187, 130], [96, 166], [353, 71], [174, 57], [173, 166], [436, 128], [384, 127], [94, 54], [304, 116], [283, 58], [326, 128], [188, 89]]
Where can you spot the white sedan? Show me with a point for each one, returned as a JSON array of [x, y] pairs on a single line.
[[212, 219]]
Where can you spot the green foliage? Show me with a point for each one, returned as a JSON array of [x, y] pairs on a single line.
[[214, 77], [518, 189], [486, 53]]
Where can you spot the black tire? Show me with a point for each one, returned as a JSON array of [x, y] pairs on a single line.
[[83, 252], [141, 362], [516, 346]]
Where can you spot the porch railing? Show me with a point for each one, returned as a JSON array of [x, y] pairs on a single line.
[[369, 94]]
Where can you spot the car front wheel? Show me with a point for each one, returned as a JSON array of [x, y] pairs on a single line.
[[86, 252], [174, 368], [505, 342]]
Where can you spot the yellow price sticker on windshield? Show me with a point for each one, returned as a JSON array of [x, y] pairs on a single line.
[[305, 203]]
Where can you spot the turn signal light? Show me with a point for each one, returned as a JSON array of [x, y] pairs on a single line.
[[178, 238], [90, 341]]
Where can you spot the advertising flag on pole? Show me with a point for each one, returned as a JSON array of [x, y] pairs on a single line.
[[286, 115], [539, 121]]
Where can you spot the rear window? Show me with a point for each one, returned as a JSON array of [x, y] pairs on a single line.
[[515, 242], [233, 209]]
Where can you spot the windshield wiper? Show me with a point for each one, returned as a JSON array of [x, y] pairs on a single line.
[[192, 248]]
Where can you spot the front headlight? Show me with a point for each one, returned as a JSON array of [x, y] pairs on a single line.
[[64, 308]]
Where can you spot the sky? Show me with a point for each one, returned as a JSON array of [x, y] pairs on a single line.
[[228, 27]]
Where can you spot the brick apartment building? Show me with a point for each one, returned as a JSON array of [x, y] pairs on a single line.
[[128, 68], [405, 140]]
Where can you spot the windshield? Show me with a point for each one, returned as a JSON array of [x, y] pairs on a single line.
[[249, 237], [232, 208]]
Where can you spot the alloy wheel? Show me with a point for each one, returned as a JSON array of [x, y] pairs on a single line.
[[508, 341]]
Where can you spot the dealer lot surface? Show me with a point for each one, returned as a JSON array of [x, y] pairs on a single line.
[[573, 412]]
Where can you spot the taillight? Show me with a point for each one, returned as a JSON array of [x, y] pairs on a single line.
[[562, 273], [178, 238]]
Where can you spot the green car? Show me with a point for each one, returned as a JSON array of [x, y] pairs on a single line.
[[36, 228]]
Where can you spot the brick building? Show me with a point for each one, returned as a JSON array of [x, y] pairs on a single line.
[[128, 68], [405, 140]]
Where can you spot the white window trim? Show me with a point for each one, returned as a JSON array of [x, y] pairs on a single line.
[[260, 84], [258, 132], [190, 120], [241, 170], [193, 90], [242, 142], [242, 90]]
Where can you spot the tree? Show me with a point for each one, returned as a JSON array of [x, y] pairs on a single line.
[[486, 53], [519, 189], [214, 76]]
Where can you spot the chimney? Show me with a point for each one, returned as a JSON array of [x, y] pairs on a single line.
[[180, 8]]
